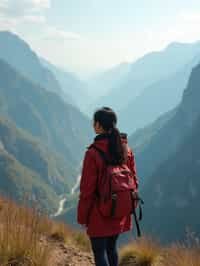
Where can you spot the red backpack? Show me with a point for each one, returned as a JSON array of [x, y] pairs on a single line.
[[117, 191]]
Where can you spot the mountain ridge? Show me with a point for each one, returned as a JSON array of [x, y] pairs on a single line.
[[168, 167], [147, 70], [19, 54], [177, 126], [49, 114]]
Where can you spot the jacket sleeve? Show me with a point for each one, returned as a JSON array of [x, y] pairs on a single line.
[[88, 185], [132, 166]]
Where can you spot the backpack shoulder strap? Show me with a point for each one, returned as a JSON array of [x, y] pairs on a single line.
[[101, 153]]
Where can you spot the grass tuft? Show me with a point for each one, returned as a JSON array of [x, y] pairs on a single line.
[[142, 252], [148, 252]]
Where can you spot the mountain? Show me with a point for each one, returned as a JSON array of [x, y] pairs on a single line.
[[28, 169], [36, 156], [155, 151], [168, 164], [42, 136], [74, 89], [20, 183], [157, 99], [142, 137], [148, 70], [169, 217], [20, 56], [43, 114]]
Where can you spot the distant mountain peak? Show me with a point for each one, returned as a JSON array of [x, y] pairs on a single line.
[[17, 53], [11, 36], [175, 45]]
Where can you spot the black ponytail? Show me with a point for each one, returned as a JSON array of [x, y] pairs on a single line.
[[108, 120]]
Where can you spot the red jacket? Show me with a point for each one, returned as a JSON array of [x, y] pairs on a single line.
[[88, 213]]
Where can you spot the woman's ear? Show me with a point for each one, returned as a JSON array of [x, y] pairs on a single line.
[[98, 128]]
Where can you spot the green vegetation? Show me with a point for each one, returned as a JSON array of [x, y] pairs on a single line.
[[41, 134], [19, 182], [43, 114], [168, 164]]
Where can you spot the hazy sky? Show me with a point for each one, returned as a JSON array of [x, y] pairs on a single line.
[[86, 35]]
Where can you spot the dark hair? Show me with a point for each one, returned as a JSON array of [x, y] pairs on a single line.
[[107, 118]]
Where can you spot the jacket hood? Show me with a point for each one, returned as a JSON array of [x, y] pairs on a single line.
[[101, 141]]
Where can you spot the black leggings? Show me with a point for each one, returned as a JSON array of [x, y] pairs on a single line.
[[105, 250]]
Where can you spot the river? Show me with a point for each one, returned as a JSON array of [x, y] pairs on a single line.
[[64, 199]]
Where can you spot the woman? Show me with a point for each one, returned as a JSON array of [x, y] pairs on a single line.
[[103, 231]]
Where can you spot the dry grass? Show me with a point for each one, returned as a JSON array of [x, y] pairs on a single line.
[[146, 252], [20, 236], [180, 255], [21, 231], [142, 252]]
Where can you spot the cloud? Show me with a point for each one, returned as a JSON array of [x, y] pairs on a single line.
[[189, 16], [52, 33], [3, 4], [186, 26], [18, 8], [15, 12], [7, 24], [183, 28], [39, 19], [40, 3]]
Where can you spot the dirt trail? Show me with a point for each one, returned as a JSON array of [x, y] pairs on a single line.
[[67, 255]]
